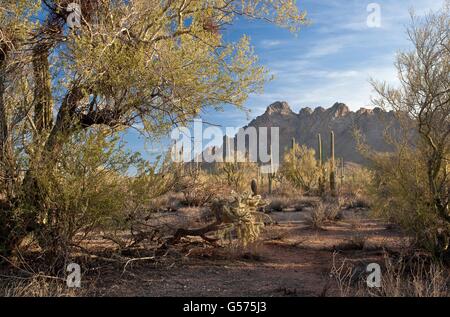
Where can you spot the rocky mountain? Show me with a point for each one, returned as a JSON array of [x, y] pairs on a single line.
[[305, 125]]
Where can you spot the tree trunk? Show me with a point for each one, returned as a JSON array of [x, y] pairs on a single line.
[[433, 170], [5, 140], [43, 107], [3, 122], [65, 125], [8, 226]]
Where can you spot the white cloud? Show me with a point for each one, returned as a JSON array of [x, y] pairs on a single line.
[[323, 88], [334, 59], [270, 43]]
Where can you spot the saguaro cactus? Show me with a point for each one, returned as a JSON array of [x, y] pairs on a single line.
[[181, 153], [320, 164], [272, 174], [332, 167], [342, 173]]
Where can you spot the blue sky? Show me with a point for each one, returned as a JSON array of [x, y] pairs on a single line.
[[330, 60]]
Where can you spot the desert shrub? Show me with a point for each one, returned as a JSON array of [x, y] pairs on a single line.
[[401, 277], [357, 181], [237, 174], [300, 168], [412, 184], [90, 187], [332, 211], [359, 202], [285, 189], [401, 195], [318, 216], [84, 189], [306, 202], [325, 211], [299, 203], [198, 187], [356, 242], [36, 286], [415, 277], [151, 184]]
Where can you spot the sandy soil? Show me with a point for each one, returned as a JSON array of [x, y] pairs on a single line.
[[291, 260]]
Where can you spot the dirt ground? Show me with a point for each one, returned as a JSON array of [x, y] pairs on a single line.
[[290, 260]]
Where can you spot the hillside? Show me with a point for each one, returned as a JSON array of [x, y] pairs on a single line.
[[305, 125]]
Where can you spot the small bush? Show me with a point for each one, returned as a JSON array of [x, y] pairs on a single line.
[[318, 216], [36, 286], [237, 174], [401, 277], [277, 204], [198, 188], [355, 243]]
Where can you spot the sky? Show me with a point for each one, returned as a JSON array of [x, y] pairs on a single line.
[[331, 60]]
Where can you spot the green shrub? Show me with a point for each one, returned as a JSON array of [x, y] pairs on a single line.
[[301, 168]]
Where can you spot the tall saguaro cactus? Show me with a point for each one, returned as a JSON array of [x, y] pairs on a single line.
[[320, 163], [332, 167], [272, 173]]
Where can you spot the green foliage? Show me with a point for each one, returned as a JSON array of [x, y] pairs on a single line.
[[300, 168], [89, 187], [16, 22], [358, 180], [236, 174], [198, 187], [413, 184], [126, 66], [400, 193]]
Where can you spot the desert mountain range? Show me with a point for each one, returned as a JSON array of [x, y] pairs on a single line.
[[305, 125]]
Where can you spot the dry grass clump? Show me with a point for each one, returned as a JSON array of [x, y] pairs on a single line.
[[318, 216], [285, 189], [299, 203], [325, 211], [400, 277], [36, 286], [356, 242], [198, 188]]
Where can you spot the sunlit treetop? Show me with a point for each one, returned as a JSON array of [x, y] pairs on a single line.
[[153, 62]]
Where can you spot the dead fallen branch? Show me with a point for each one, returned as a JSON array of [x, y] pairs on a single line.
[[239, 215]]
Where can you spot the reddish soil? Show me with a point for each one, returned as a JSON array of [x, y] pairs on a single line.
[[291, 260]]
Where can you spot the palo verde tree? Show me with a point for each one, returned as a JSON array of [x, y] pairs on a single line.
[[300, 167], [418, 181], [140, 63]]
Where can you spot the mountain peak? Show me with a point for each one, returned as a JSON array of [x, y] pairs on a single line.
[[339, 109], [305, 125], [281, 107], [304, 112]]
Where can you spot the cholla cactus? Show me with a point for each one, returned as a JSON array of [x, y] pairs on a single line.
[[241, 216]]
